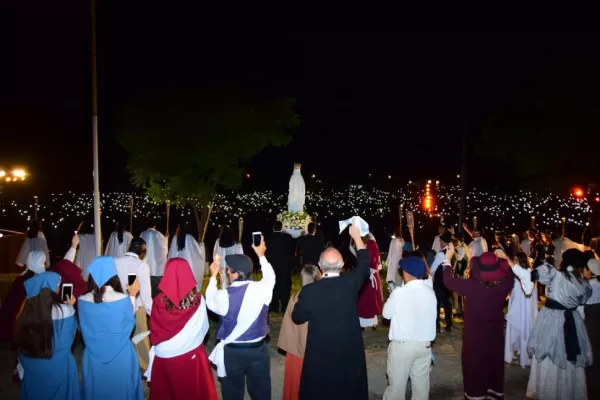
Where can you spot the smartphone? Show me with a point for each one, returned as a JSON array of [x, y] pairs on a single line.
[[67, 291], [131, 278], [256, 238]]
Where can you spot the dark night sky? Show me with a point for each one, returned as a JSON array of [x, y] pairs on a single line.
[[370, 103]]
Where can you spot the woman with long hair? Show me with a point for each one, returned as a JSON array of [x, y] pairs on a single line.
[[179, 367], [559, 343], [522, 310], [110, 368], [45, 332], [87, 247], [185, 246], [119, 241], [35, 241], [292, 338], [225, 245]]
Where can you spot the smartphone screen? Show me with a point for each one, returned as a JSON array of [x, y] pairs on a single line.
[[256, 238], [67, 291], [131, 278]]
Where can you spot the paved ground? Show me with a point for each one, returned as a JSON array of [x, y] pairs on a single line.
[[446, 377]]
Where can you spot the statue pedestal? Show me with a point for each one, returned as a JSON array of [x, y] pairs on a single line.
[[295, 233]]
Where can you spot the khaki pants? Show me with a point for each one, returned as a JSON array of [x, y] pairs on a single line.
[[408, 359], [143, 347]]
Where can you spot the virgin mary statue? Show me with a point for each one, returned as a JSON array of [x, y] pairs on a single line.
[[297, 191]]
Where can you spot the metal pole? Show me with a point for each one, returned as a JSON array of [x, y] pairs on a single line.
[[463, 184], [97, 222]]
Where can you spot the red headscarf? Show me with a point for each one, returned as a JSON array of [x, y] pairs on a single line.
[[70, 273], [177, 282]]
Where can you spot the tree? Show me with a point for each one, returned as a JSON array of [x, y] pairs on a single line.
[[183, 147]]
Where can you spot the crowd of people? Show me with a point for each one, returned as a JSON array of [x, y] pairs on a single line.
[[141, 317]]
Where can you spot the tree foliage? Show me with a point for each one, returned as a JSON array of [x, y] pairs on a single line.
[[183, 147]]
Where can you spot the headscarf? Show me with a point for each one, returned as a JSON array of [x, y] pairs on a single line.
[[45, 280], [36, 261], [102, 269], [178, 280]]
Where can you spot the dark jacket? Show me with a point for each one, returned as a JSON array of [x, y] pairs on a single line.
[[280, 251], [334, 362], [310, 248]]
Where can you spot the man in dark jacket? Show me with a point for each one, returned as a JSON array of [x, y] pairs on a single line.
[[280, 253], [334, 361], [310, 246]]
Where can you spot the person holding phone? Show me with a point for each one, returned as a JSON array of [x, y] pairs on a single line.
[[132, 267], [242, 354], [45, 332], [110, 368]]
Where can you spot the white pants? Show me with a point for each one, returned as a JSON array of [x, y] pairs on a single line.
[[408, 359]]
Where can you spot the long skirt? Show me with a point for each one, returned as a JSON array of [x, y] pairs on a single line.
[[520, 318], [483, 362], [549, 382], [370, 301], [143, 347], [184, 377], [291, 379], [592, 373]]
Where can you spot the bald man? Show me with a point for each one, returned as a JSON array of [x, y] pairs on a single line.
[[334, 361]]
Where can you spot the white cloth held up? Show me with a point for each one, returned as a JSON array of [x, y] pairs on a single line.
[[362, 225]]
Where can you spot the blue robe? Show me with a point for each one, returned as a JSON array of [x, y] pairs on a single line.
[[110, 365], [54, 378]]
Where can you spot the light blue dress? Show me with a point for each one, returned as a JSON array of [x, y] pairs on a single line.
[[110, 365], [54, 378]]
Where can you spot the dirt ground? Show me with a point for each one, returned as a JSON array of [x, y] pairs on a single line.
[[446, 376]]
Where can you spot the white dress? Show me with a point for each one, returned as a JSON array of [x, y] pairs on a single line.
[[521, 315], [393, 258], [36, 244], [193, 253], [156, 251], [85, 253], [116, 249]]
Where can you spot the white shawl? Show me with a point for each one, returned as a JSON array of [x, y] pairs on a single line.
[[252, 305]]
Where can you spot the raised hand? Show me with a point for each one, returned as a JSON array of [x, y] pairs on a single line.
[[261, 249]]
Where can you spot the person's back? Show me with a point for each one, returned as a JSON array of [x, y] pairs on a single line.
[[334, 361], [280, 253], [310, 247]]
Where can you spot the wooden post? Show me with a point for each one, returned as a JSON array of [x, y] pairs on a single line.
[[131, 215], [168, 213], [410, 222], [400, 216], [532, 222], [36, 206], [475, 223], [240, 229], [564, 226]]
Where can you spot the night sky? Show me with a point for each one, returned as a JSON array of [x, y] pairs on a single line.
[[375, 104]]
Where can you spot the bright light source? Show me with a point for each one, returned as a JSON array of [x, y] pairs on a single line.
[[437, 182], [248, 176], [8, 179], [2, 173], [313, 176], [458, 176], [389, 177], [18, 173], [578, 192], [429, 182]]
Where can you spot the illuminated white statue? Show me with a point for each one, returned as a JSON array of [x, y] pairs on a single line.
[[297, 191]]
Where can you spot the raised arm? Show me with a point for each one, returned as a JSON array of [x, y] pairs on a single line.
[[217, 300], [268, 274], [72, 252], [363, 263], [453, 284]]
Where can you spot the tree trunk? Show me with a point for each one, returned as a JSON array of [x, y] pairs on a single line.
[[202, 217]]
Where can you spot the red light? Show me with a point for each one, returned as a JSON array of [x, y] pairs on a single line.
[[598, 199], [578, 192]]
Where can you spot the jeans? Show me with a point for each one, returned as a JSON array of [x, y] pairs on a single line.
[[251, 366]]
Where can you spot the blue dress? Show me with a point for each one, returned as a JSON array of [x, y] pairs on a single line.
[[54, 378], [110, 367]]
